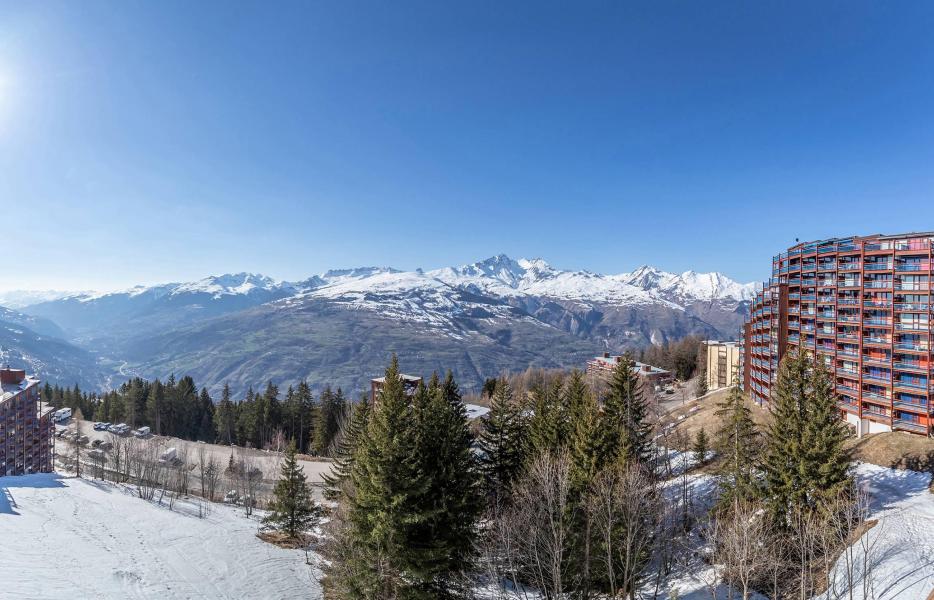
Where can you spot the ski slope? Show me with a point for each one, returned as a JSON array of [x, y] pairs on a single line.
[[63, 537]]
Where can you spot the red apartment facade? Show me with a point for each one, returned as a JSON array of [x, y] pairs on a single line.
[[862, 304], [26, 441]]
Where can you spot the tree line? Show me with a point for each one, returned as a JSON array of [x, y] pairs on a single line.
[[177, 408], [574, 494]]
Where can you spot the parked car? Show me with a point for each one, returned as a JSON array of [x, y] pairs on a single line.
[[142, 432], [97, 455], [231, 497], [106, 445], [168, 456], [83, 440], [96, 443], [62, 414]]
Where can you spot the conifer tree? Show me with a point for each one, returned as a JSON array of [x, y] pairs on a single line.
[[584, 445], [388, 485], [501, 442], [804, 456], [224, 418], [827, 461], [548, 425], [451, 504], [626, 434], [292, 510], [700, 447], [349, 439], [737, 441]]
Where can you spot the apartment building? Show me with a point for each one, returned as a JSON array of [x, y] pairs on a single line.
[[26, 441], [723, 364], [863, 305], [603, 366], [410, 385]]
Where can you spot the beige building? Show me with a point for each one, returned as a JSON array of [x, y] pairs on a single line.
[[722, 364]]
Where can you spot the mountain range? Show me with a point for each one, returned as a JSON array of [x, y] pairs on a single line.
[[339, 327]]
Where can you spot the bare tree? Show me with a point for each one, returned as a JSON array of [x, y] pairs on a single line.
[[625, 507], [531, 534], [741, 539]]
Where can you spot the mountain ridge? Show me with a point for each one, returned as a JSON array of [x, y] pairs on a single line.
[[483, 317]]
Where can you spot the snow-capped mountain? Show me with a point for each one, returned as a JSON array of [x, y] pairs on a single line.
[[479, 318]]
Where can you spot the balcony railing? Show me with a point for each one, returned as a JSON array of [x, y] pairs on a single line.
[[914, 347], [910, 425], [848, 266], [923, 266], [913, 326], [912, 287], [915, 385], [878, 285], [912, 406], [912, 306]]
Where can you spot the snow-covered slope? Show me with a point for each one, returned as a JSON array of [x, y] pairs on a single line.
[[68, 538]]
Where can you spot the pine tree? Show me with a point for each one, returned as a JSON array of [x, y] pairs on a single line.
[[451, 505], [627, 435], [292, 510], [501, 442], [826, 458], [737, 441], [349, 439], [584, 445], [700, 447], [548, 425], [225, 418], [388, 485], [804, 457]]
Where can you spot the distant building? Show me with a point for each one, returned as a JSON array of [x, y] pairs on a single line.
[[25, 425], [722, 364], [409, 383], [602, 366]]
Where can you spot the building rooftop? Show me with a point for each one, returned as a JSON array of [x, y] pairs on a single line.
[[13, 381], [641, 367], [405, 378]]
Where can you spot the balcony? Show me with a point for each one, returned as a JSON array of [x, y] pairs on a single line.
[[916, 366], [848, 301], [878, 285], [913, 287], [913, 267], [848, 267], [887, 266], [877, 304], [878, 379], [912, 306], [910, 347], [910, 426], [877, 321], [877, 341], [876, 397], [913, 326], [912, 406], [912, 385]]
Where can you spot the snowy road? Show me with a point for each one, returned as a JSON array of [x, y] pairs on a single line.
[[87, 539]]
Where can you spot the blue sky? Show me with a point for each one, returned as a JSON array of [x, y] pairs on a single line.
[[146, 142]]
